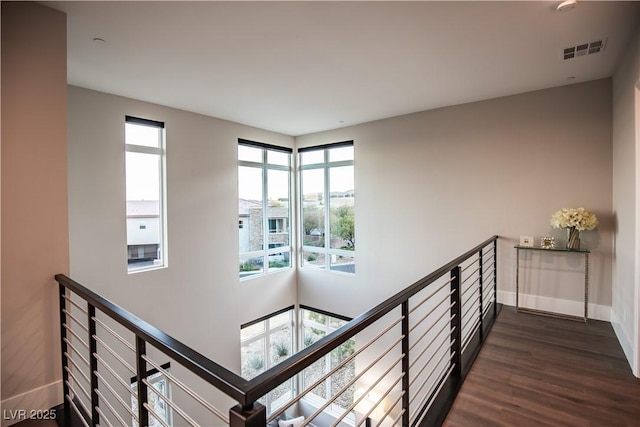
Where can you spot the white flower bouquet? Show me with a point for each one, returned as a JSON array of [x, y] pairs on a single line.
[[580, 218]]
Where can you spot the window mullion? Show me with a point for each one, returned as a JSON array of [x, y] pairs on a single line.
[[265, 214], [339, 163], [327, 212], [327, 382], [162, 202], [300, 218], [267, 352], [253, 339], [143, 149]]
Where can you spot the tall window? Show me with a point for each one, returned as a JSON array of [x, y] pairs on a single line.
[[314, 326], [266, 342], [145, 188], [328, 203], [264, 208], [160, 413]]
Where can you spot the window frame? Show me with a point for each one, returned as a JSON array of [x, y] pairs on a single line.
[[312, 398], [154, 376], [160, 151], [326, 165], [266, 252], [266, 335]]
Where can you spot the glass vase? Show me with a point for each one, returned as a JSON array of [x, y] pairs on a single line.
[[573, 238]]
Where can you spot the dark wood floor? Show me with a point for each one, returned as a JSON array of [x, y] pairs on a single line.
[[540, 371]]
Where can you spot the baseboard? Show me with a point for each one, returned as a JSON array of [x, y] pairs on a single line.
[[623, 337], [555, 305], [33, 403]]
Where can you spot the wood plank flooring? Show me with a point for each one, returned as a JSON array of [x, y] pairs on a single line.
[[541, 371]]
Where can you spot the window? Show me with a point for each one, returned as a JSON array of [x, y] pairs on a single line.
[[264, 209], [328, 207], [145, 194], [277, 225], [266, 342], [314, 326], [158, 405]]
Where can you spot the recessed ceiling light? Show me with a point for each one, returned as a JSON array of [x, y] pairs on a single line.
[[566, 5], [99, 40]]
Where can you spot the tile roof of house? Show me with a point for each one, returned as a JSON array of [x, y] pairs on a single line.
[[244, 206], [143, 208]]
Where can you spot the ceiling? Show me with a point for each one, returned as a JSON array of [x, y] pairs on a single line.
[[303, 67]]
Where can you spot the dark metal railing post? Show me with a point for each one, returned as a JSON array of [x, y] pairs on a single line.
[[480, 285], [93, 362], [456, 324], [63, 351], [254, 415], [405, 362], [495, 279], [141, 372]]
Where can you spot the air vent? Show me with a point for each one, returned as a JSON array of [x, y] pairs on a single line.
[[583, 49]]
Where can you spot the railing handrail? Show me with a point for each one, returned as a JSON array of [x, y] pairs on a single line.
[[225, 380], [243, 391], [273, 377]]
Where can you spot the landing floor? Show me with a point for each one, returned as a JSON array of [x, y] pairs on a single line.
[[540, 371]]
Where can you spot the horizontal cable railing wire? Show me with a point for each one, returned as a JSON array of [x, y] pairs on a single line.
[[261, 384], [98, 360], [225, 380], [415, 370], [174, 380]]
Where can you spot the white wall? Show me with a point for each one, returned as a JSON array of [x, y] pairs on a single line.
[[429, 186], [626, 195], [636, 335], [433, 184], [35, 243], [198, 299]]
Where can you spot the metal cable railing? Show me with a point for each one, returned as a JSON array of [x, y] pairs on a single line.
[[411, 355]]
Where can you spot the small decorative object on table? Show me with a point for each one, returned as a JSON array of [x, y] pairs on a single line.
[[548, 242], [526, 241], [575, 221]]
